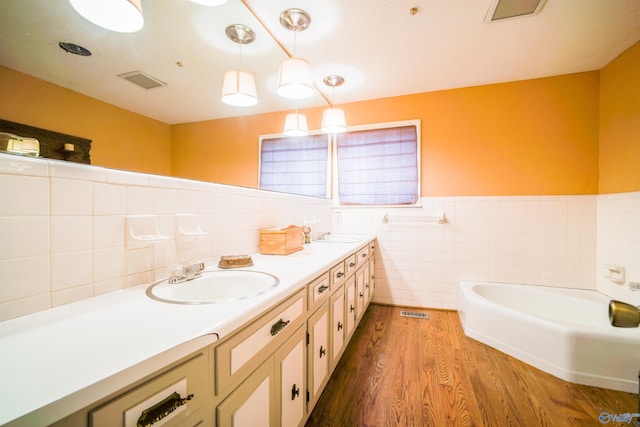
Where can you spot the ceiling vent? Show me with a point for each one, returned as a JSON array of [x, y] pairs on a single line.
[[143, 80], [506, 9]]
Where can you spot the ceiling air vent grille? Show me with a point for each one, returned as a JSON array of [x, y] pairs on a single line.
[[143, 80], [506, 9]]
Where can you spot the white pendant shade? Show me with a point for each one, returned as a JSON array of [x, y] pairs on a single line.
[[294, 79], [296, 125], [333, 121], [123, 16], [210, 2], [239, 89]]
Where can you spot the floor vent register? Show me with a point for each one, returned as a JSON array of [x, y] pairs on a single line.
[[414, 314]]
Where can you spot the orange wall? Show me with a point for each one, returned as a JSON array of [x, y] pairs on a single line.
[[620, 123], [535, 137], [120, 139]]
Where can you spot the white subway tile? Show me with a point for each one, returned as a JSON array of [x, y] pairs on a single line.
[[71, 233], [109, 263], [24, 277], [76, 171], [22, 307], [20, 165], [67, 296], [71, 197], [71, 270], [108, 231], [139, 200], [109, 199], [24, 236], [23, 195]]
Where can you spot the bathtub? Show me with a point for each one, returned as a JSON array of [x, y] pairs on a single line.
[[565, 332]]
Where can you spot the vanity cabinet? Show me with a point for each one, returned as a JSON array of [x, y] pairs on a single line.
[[269, 372], [318, 353], [272, 395], [238, 355], [337, 319]]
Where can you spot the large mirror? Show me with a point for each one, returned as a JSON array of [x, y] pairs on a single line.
[[181, 128]]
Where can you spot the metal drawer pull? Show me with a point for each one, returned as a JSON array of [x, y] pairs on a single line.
[[295, 392], [278, 326], [364, 255], [351, 308], [339, 274], [352, 264], [323, 351], [339, 325], [322, 288], [361, 295], [162, 409]]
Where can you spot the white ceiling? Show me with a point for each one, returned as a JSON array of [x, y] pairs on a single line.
[[376, 45]]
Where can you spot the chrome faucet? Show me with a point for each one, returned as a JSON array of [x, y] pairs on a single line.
[[323, 235], [188, 272]]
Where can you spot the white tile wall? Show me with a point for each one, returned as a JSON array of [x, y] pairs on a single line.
[[532, 240], [63, 235], [619, 243], [63, 228]]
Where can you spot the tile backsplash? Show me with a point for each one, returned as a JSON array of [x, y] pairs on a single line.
[[64, 228], [542, 240], [70, 231]]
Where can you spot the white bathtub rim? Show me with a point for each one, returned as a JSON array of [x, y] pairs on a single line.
[[556, 324], [565, 328]]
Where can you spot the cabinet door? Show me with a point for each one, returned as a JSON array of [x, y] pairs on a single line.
[[367, 287], [372, 276], [336, 311], [318, 352], [360, 279], [350, 307], [252, 403], [291, 370]]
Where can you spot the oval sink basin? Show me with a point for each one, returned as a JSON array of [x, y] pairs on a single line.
[[215, 287], [339, 239]]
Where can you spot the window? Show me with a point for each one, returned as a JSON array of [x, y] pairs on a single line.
[[372, 165], [295, 165], [378, 166]]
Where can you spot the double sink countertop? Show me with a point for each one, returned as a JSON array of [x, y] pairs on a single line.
[[56, 362]]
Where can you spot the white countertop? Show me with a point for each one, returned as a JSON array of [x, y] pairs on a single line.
[[56, 362]]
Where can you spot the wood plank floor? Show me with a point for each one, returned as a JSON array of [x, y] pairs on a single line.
[[400, 371]]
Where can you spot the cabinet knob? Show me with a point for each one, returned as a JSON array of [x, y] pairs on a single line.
[[323, 351], [295, 392], [361, 295]]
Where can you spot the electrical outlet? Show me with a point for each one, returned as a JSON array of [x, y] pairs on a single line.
[[615, 273]]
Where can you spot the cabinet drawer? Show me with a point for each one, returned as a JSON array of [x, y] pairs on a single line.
[[163, 399], [239, 355], [318, 290], [338, 275], [362, 255], [350, 264]]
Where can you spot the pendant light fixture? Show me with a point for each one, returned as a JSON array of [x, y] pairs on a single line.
[[123, 16], [239, 87], [296, 125], [333, 120], [294, 77]]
